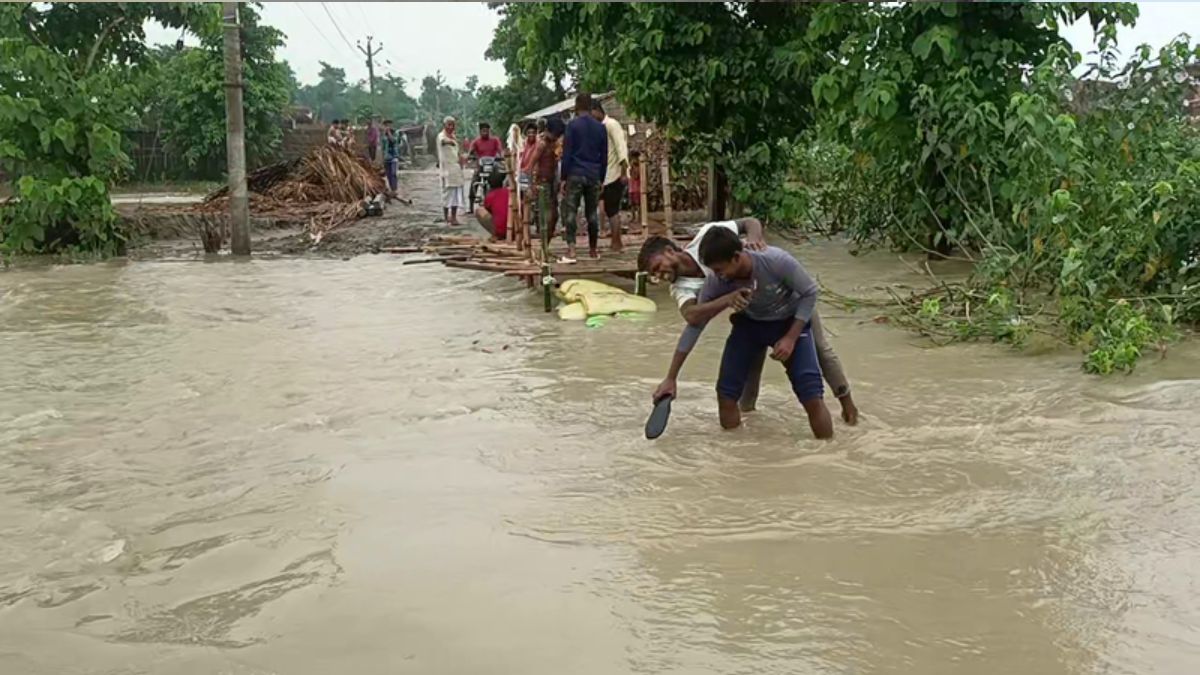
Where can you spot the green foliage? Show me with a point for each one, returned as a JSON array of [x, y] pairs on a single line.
[[333, 98], [506, 104], [710, 71], [1075, 199], [65, 70], [923, 90], [183, 93], [73, 216], [438, 99]]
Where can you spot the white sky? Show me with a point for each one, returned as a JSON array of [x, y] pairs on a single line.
[[420, 38]]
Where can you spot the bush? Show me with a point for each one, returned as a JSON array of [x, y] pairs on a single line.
[[73, 216], [1088, 213]]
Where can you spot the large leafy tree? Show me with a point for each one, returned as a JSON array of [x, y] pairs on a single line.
[[734, 77], [503, 105], [438, 99], [922, 91], [188, 93], [65, 93], [327, 97]]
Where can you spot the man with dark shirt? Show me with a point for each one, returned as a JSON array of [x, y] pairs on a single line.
[[584, 161]]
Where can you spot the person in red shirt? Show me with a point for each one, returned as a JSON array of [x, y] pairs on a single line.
[[493, 215], [486, 145]]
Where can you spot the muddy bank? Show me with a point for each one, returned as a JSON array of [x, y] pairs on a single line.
[[400, 225]]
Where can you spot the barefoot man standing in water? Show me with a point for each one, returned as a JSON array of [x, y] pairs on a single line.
[[773, 299], [661, 258], [450, 168]]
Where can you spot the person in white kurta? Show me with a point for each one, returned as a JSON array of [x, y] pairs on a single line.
[[450, 168]]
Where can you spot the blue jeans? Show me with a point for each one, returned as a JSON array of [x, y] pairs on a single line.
[[391, 166], [747, 341], [589, 190]]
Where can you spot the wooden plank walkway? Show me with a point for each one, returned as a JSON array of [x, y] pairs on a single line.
[[506, 258]]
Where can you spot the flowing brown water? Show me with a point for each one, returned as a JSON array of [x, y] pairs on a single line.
[[315, 466]]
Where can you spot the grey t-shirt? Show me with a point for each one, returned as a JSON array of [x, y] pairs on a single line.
[[782, 289]]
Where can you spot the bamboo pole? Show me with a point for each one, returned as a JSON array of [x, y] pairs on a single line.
[[514, 197], [665, 165], [642, 195], [712, 191], [537, 216]]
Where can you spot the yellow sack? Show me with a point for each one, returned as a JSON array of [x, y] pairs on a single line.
[[613, 303], [573, 289], [572, 312]]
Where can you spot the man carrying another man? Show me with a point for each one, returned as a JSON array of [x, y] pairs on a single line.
[[661, 258], [773, 299]]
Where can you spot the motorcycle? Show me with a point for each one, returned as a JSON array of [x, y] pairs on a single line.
[[480, 183]]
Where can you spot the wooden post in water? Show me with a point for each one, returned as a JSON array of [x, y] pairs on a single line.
[[536, 216], [712, 191], [514, 191], [639, 284], [642, 195], [235, 128], [666, 185], [547, 286]]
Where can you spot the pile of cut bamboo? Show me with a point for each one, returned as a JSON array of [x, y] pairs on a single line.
[[326, 188]]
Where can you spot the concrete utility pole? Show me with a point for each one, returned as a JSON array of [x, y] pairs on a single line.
[[370, 54], [235, 129]]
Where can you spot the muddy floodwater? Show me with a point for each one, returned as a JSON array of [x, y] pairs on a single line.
[[320, 466]]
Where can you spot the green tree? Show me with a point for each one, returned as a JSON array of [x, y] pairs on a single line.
[[188, 93], [326, 98], [710, 71], [922, 90], [438, 99], [65, 92], [506, 104]]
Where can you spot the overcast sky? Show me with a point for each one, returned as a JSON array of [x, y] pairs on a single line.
[[421, 38]]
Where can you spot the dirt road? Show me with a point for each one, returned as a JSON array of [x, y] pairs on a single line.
[[400, 225]]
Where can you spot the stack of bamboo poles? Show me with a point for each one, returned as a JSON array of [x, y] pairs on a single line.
[[326, 189]]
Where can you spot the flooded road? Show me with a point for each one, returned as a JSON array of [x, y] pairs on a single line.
[[322, 466]]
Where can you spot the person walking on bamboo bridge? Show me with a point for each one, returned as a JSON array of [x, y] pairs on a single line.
[[543, 188], [584, 161], [450, 170], [615, 173]]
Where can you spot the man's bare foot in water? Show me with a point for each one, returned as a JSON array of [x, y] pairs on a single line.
[[849, 410]]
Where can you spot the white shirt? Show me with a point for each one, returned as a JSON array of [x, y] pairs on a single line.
[[688, 288], [448, 167], [618, 150]]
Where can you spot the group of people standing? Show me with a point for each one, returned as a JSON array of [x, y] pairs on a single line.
[[583, 161], [562, 166]]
